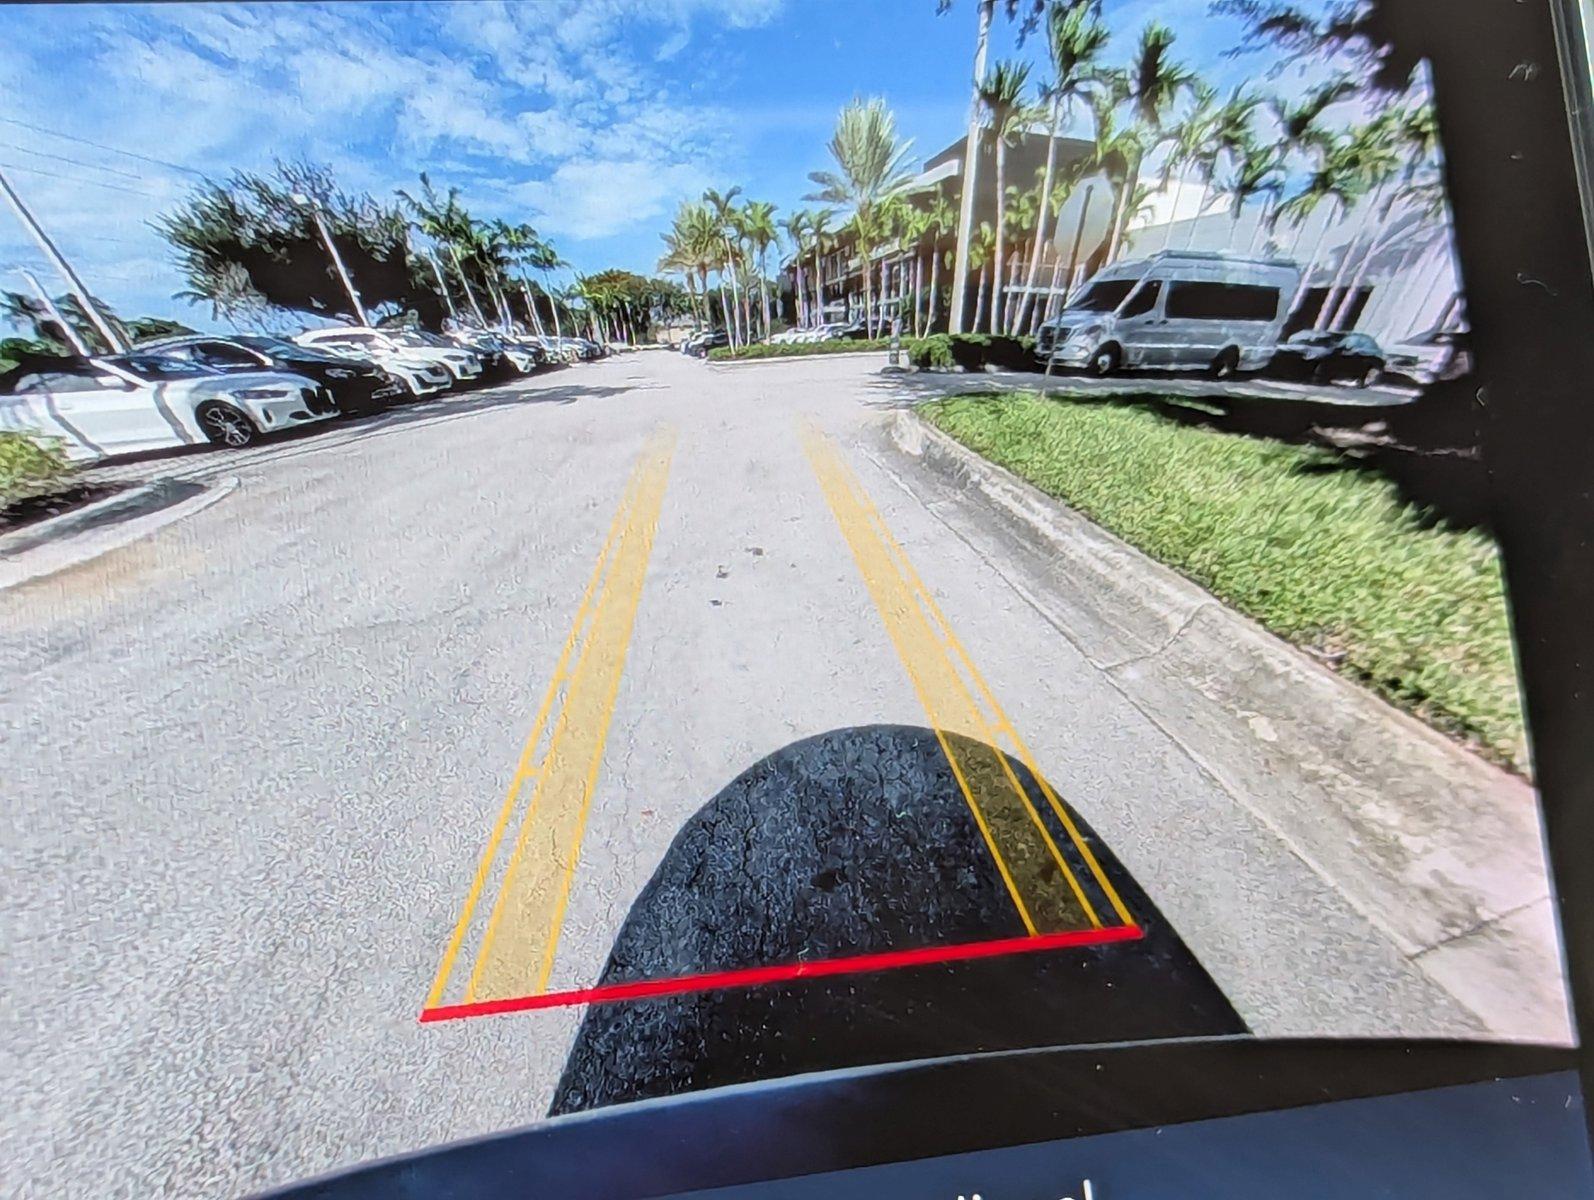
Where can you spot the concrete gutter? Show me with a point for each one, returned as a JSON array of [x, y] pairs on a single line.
[[75, 537], [1439, 850]]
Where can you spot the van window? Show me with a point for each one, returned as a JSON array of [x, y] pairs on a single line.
[[1102, 297], [1222, 301], [1145, 300]]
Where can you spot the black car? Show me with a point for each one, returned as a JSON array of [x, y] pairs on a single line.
[[358, 386], [1324, 356]]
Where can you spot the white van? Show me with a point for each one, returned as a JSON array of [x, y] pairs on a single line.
[[1176, 310]]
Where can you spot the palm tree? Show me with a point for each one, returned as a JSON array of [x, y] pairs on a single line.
[[722, 206], [823, 240], [971, 158], [1189, 141], [980, 259], [1023, 210], [1075, 36], [1002, 97], [1372, 160], [758, 224], [1149, 87], [1333, 181], [939, 218], [796, 228], [1415, 134], [873, 164]]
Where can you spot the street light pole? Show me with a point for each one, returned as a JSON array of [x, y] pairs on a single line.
[[337, 259], [67, 331], [112, 339]]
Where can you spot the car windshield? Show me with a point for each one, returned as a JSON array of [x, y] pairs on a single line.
[[157, 367], [1102, 297], [846, 588]]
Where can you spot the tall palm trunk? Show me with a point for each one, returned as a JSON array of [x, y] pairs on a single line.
[[935, 285], [819, 284], [1027, 304], [971, 156], [763, 288], [1377, 242], [1001, 233], [1120, 225], [1331, 300], [918, 295], [979, 299], [1311, 267]]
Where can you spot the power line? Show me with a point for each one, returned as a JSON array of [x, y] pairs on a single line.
[[159, 162], [115, 187], [77, 162]]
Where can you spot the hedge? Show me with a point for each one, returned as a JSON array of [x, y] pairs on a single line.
[[797, 349]]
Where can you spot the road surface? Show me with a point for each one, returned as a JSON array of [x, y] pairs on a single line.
[[257, 758]]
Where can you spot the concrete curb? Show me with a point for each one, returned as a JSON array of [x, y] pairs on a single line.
[[75, 538], [1439, 850]]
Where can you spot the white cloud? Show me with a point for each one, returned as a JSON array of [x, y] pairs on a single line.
[[598, 198]]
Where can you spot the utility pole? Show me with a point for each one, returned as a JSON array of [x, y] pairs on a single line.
[[54, 313], [453, 252], [114, 340], [442, 285], [337, 259], [971, 158]]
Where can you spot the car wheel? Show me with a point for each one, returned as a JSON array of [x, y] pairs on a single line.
[[224, 425], [1225, 364], [1105, 361]]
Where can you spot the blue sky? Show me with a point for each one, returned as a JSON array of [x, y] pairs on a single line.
[[591, 119]]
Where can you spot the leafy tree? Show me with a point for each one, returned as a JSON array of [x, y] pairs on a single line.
[[249, 244]]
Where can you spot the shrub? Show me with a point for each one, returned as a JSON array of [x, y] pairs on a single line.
[[29, 466], [976, 351], [933, 352], [796, 349]]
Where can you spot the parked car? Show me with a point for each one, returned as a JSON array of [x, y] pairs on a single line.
[[700, 347], [498, 352], [1325, 356], [1432, 355], [358, 386], [1176, 310], [129, 403], [385, 344]]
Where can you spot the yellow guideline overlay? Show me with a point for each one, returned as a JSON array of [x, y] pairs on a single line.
[[551, 792], [968, 722]]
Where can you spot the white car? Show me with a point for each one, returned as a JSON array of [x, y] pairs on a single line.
[[130, 403], [397, 346]]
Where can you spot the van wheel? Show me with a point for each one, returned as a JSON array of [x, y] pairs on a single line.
[[1105, 361], [1226, 364], [224, 425], [1369, 377]]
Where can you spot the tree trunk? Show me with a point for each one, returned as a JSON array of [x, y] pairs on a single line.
[[1120, 228], [971, 156], [1079, 235], [1311, 267], [1050, 309], [979, 300], [1331, 301], [1001, 231], [935, 286], [819, 284], [1027, 304]]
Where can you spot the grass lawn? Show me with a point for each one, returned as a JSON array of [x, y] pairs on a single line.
[[1329, 559]]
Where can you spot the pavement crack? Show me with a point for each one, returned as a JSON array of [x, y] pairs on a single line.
[[1478, 927]]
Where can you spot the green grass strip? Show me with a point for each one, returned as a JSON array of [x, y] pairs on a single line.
[[1329, 559]]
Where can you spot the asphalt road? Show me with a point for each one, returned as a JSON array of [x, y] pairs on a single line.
[[256, 759]]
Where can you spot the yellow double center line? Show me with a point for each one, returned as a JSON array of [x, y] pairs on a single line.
[[968, 722], [515, 955]]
